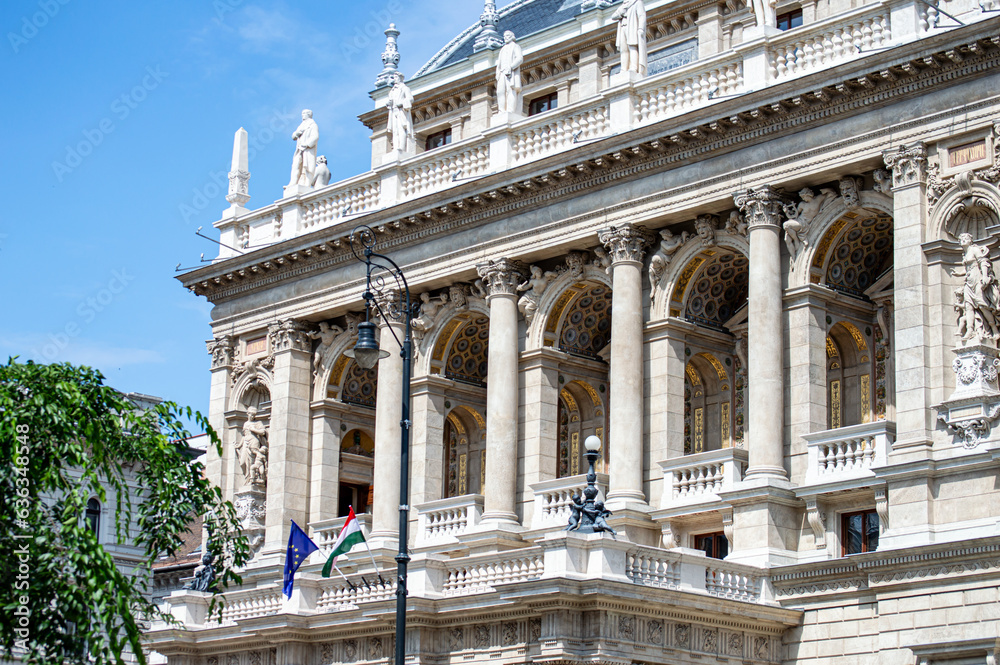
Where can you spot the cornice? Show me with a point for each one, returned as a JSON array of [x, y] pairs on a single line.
[[908, 70]]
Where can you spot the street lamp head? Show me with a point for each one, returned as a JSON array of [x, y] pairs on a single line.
[[592, 443], [366, 352]]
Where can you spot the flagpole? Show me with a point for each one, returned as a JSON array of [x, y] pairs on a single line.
[[365, 541]]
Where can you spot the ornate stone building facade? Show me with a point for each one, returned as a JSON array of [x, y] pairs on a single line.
[[750, 253]]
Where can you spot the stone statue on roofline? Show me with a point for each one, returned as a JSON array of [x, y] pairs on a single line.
[[631, 37], [508, 75], [400, 124], [306, 136]]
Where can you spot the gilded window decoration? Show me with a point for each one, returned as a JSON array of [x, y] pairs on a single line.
[[360, 386], [574, 453], [861, 255], [739, 401], [563, 439], [835, 406], [357, 442], [866, 398], [881, 385], [699, 430], [718, 291], [467, 360], [724, 425], [586, 328], [688, 449]]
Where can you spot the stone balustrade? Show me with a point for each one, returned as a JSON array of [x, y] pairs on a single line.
[[654, 568], [553, 498], [848, 453], [249, 603], [678, 90], [441, 522], [699, 478], [554, 132], [732, 581], [692, 571], [350, 197], [324, 533], [336, 594], [480, 573], [830, 42], [432, 171]]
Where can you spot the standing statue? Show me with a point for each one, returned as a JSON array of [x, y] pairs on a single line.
[[304, 162], [326, 334], [509, 75], [252, 450], [429, 308], [631, 38], [978, 302], [535, 286], [400, 104], [763, 11], [799, 217]]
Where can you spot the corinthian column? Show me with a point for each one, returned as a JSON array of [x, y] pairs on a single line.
[[501, 278], [626, 245], [762, 208], [388, 413]]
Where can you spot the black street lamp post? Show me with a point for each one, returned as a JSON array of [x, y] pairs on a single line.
[[367, 354], [587, 515]]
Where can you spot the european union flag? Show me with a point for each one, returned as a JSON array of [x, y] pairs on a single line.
[[299, 547]]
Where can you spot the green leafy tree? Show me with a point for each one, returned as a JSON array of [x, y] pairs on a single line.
[[64, 438]]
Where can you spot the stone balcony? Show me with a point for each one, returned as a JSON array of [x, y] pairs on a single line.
[[845, 457], [324, 533], [762, 60], [440, 523]]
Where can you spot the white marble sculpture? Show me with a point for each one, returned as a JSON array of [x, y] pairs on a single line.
[[304, 162], [326, 335], [978, 301], [763, 11], [631, 37], [669, 244], [801, 214], [508, 75], [429, 308], [252, 450], [400, 106], [322, 176], [535, 285]]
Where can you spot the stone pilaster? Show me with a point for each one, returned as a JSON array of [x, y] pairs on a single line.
[[223, 352], [626, 245], [388, 413], [540, 375], [806, 392], [288, 454], [912, 338], [324, 463], [762, 208], [501, 278], [427, 443]]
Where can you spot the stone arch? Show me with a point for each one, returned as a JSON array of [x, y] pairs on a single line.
[[832, 223], [461, 349], [969, 206], [333, 355], [670, 296], [253, 379], [464, 452], [434, 346], [580, 413], [351, 384], [552, 305], [708, 404]]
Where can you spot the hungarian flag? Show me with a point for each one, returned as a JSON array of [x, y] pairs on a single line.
[[349, 536]]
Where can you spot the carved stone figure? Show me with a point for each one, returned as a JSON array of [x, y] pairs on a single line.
[[508, 74], [326, 334], [705, 226], [574, 263], [575, 513], [978, 301], [304, 162], [599, 514], [883, 181], [801, 214], [252, 450], [400, 105], [736, 224], [603, 260], [322, 176], [429, 308], [669, 244], [631, 37], [763, 11], [458, 296], [204, 575], [535, 285]]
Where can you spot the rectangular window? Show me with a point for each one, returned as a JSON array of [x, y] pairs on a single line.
[[858, 532], [543, 104], [438, 139], [714, 545], [789, 20]]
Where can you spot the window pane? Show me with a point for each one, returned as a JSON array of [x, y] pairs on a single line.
[[871, 533], [852, 537]]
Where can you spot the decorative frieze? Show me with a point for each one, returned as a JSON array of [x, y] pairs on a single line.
[[908, 164], [502, 276], [626, 243], [289, 335], [761, 206]]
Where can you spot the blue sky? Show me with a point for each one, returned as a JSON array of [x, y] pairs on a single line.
[[117, 128]]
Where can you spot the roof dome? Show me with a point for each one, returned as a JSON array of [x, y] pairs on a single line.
[[523, 18]]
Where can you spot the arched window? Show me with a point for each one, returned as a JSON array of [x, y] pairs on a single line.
[[708, 403], [848, 376], [465, 452], [93, 517], [581, 414]]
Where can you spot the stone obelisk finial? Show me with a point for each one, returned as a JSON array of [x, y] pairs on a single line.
[[488, 37], [239, 175], [390, 58]]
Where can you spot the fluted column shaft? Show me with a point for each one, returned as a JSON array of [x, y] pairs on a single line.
[[762, 208], [626, 246], [501, 278], [388, 413]]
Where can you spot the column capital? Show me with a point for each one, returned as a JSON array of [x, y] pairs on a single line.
[[908, 164], [502, 276], [761, 206], [626, 242], [390, 303], [223, 351], [289, 335]]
